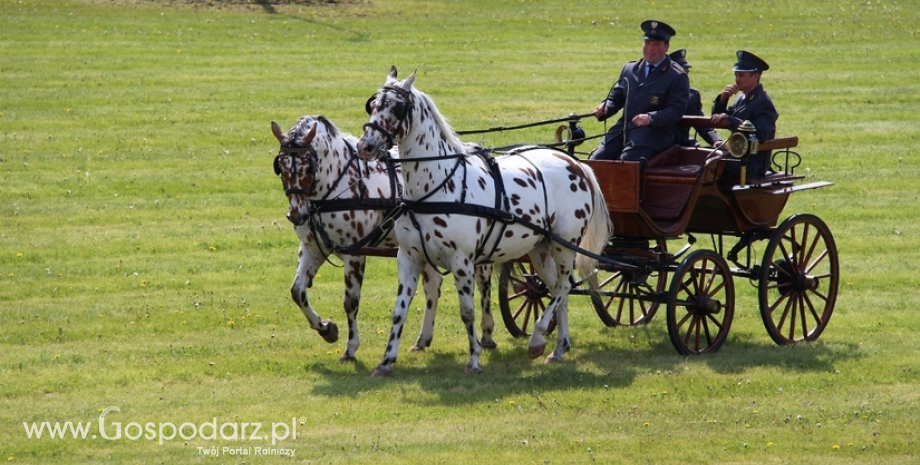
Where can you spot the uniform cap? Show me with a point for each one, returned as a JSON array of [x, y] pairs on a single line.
[[749, 63], [657, 30], [680, 57]]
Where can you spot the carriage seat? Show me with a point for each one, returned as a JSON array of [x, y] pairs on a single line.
[[670, 178], [682, 163]]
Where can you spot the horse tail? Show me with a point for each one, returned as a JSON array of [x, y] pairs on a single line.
[[598, 230]]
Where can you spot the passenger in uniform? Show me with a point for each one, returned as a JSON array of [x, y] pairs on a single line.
[[694, 108], [653, 94], [753, 104]]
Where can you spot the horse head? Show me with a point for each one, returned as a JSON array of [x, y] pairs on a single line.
[[391, 110], [295, 164]]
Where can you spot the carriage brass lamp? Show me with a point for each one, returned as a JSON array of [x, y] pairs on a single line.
[[743, 143]]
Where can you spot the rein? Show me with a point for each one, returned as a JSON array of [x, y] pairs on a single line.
[[524, 126], [576, 133]]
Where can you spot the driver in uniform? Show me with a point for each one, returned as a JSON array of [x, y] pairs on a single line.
[[653, 94]]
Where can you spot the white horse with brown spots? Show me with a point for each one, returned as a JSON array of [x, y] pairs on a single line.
[[336, 201], [460, 210]]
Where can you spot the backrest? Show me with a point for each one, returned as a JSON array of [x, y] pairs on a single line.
[[670, 157], [619, 182]]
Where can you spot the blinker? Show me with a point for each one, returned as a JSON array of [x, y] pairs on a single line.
[[399, 108]]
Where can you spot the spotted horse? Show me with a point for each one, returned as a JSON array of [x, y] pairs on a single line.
[[463, 209], [337, 202]]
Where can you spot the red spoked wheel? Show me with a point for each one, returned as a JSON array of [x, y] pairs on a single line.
[[701, 303], [623, 297], [522, 298], [798, 281]]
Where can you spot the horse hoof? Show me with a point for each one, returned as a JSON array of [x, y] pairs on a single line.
[[381, 372], [553, 358], [536, 351], [345, 358], [416, 348], [489, 345], [472, 370], [329, 332]]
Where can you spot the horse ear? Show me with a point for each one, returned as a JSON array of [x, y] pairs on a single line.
[[276, 130], [407, 84], [308, 137], [392, 74]]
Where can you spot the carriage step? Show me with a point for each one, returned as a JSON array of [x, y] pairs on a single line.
[[787, 189]]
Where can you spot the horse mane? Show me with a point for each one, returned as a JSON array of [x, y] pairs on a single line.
[[303, 125], [450, 136]]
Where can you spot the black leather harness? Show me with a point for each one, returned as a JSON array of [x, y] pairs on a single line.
[[328, 205]]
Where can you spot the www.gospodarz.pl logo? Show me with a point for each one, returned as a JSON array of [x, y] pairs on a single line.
[[165, 431]]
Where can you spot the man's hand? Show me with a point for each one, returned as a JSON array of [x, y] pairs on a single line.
[[600, 111], [716, 118], [642, 120], [728, 91]]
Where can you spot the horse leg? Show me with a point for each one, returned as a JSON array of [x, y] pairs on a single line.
[[545, 267], [484, 283], [431, 280], [565, 260], [308, 263], [409, 270], [563, 343], [354, 279], [464, 278]]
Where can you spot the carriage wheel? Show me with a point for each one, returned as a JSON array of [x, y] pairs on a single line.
[[618, 299], [701, 303], [522, 297], [798, 280]]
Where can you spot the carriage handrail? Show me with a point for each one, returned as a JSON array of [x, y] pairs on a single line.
[[702, 122], [782, 143], [705, 122]]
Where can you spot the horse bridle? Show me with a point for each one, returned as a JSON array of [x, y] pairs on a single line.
[[294, 152], [312, 157], [401, 111]]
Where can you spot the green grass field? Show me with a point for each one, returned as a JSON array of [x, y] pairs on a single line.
[[145, 260]]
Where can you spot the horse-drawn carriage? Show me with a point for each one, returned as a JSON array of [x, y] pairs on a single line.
[[534, 210], [680, 195]]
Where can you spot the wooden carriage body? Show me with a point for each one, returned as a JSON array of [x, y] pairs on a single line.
[[681, 191]]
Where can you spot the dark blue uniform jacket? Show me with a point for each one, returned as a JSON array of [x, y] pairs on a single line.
[[663, 95], [758, 108]]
